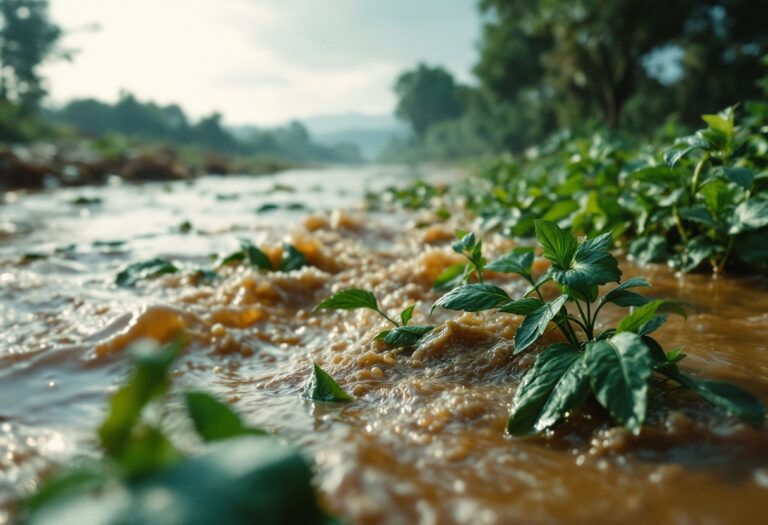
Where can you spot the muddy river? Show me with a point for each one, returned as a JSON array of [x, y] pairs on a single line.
[[424, 441]]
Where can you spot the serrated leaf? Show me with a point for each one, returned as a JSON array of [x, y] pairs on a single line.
[[406, 335], [292, 259], [559, 245], [136, 272], [534, 325], [516, 261], [349, 299], [725, 396], [322, 387], [554, 385], [524, 306], [214, 420], [473, 298], [618, 370]]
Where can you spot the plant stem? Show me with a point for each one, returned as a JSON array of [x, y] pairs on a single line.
[[581, 312], [385, 316], [697, 175], [679, 224], [728, 250]]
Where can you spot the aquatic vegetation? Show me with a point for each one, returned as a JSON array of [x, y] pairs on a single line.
[[291, 259], [402, 335], [139, 271], [322, 387], [613, 366], [242, 476]]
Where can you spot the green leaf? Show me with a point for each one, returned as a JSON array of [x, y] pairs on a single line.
[[292, 259], [350, 299], [653, 324], [405, 315], [751, 214], [406, 336], [556, 384], [473, 298], [232, 258], [643, 314], [147, 451], [238, 482], [684, 147], [700, 214], [534, 325], [256, 257], [752, 247], [450, 277], [144, 270], [518, 261], [619, 369], [648, 249], [524, 306], [214, 420], [623, 297], [149, 380], [322, 387], [696, 251], [744, 177], [559, 245], [725, 396], [465, 243], [592, 265]]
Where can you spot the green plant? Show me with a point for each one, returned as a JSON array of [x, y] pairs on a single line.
[[402, 335], [242, 477], [292, 258], [614, 365]]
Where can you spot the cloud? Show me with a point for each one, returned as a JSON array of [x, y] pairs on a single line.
[[258, 61]]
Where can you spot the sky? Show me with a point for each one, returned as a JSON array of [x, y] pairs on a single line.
[[260, 62]]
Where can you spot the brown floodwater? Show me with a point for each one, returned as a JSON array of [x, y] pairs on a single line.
[[424, 441]]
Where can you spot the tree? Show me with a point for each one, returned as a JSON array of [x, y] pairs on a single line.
[[589, 56], [27, 38], [427, 95]]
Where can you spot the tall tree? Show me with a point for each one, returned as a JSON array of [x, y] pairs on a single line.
[[27, 38], [590, 56], [427, 95]]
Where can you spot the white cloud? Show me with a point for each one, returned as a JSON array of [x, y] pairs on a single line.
[[258, 61]]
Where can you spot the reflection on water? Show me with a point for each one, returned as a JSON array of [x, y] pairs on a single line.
[[424, 442]]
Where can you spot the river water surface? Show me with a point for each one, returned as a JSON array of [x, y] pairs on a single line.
[[424, 441]]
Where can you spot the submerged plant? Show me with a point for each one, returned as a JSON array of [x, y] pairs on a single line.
[[612, 365], [401, 335], [242, 477]]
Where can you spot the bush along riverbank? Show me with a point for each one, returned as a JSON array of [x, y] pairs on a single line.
[[697, 202]]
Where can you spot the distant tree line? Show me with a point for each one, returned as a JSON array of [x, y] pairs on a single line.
[[28, 37], [169, 124], [546, 65]]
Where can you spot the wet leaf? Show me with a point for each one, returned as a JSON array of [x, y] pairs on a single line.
[[406, 336], [554, 385], [518, 261], [292, 259], [450, 277], [322, 387], [645, 313], [559, 245], [534, 325], [524, 306], [136, 272], [621, 295], [751, 214], [618, 370], [648, 249], [350, 299], [257, 258], [405, 315], [214, 420], [473, 298], [725, 396]]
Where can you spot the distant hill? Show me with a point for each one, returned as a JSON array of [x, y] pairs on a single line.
[[370, 133]]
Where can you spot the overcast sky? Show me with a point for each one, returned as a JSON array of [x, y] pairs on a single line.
[[259, 61]]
